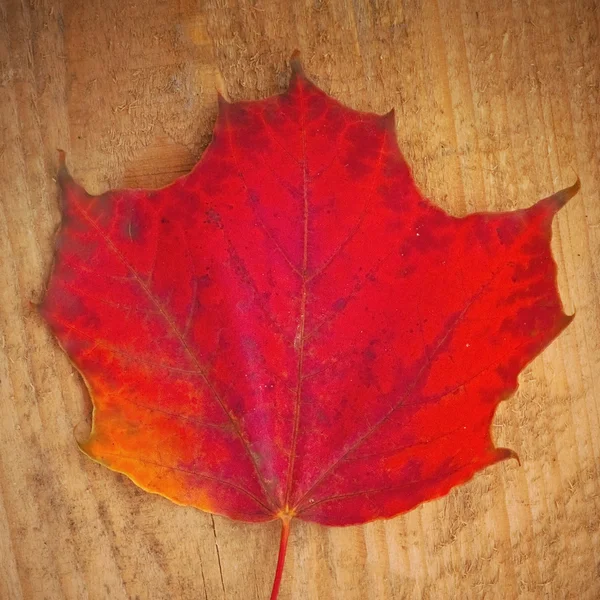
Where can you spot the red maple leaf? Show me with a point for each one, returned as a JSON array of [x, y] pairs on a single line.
[[292, 330]]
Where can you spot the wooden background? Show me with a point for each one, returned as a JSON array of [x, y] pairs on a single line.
[[497, 105]]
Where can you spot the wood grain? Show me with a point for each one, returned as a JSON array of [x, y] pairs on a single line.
[[497, 105]]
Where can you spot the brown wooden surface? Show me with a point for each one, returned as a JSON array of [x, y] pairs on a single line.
[[497, 105]]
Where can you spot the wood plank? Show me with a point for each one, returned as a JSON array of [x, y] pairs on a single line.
[[497, 105]]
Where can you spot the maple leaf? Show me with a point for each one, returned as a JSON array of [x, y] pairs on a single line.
[[292, 330]]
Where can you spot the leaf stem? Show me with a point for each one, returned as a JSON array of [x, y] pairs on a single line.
[[283, 542]]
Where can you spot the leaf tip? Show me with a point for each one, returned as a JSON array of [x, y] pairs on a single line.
[[552, 204], [296, 63], [505, 454], [63, 176], [222, 103], [567, 320], [71, 190], [388, 121]]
